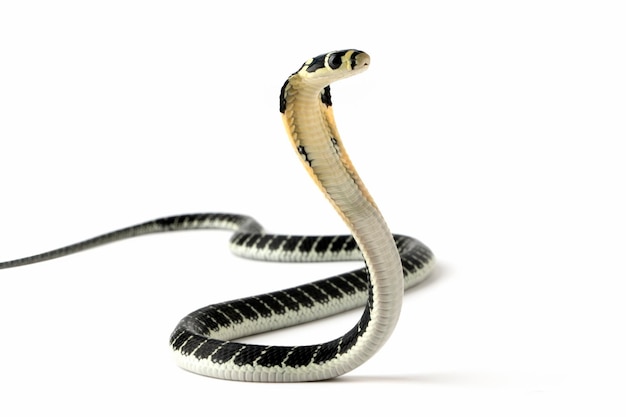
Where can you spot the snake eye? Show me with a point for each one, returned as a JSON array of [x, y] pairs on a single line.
[[334, 60]]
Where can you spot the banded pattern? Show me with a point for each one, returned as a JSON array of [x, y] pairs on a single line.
[[206, 335], [205, 340]]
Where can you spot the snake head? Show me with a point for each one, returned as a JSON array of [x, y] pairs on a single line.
[[334, 65]]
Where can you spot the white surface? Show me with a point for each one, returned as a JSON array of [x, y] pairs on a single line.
[[493, 131]]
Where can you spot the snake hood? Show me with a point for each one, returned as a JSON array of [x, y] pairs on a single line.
[[320, 71]]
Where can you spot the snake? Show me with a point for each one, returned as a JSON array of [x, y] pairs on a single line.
[[206, 342]]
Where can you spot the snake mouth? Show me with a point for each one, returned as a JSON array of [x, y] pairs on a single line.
[[358, 59]]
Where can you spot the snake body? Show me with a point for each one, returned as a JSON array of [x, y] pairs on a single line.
[[204, 341]]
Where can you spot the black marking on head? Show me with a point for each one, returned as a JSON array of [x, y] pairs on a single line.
[[335, 59], [325, 96], [304, 154], [332, 61], [316, 63], [353, 59]]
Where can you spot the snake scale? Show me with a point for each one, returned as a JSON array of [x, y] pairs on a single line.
[[204, 341]]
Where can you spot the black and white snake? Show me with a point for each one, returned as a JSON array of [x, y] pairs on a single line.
[[203, 342]]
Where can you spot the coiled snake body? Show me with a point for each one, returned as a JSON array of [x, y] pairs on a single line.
[[203, 342]]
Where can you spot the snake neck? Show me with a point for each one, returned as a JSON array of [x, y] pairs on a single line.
[[310, 124]]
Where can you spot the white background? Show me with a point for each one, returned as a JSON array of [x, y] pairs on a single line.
[[493, 131]]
